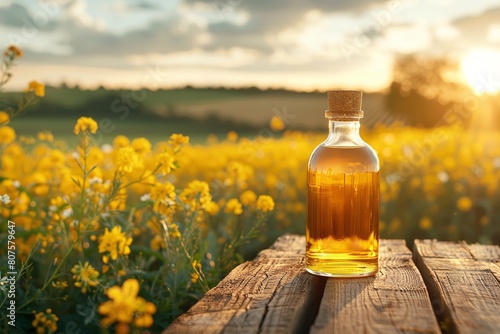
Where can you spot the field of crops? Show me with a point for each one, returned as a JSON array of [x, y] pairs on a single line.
[[438, 183], [130, 234]]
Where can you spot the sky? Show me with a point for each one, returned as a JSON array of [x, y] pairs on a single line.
[[294, 44]]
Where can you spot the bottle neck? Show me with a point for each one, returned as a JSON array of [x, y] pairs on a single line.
[[344, 133]]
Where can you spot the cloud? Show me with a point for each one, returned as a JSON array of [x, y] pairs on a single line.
[[267, 19], [406, 38], [122, 6], [181, 30], [158, 37], [76, 11], [85, 35], [13, 15], [475, 30], [144, 5], [18, 16], [286, 6], [83, 32]]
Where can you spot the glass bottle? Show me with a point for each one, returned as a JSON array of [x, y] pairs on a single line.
[[343, 195]]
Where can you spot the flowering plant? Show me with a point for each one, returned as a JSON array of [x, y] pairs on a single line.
[[108, 237]]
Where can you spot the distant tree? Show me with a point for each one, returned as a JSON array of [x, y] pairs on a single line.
[[253, 89], [63, 85], [425, 88]]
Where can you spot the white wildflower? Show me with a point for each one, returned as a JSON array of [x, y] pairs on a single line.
[[5, 199], [66, 213]]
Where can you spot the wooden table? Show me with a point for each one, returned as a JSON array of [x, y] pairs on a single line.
[[442, 287]]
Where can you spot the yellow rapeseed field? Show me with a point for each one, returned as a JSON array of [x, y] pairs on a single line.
[[435, 183]]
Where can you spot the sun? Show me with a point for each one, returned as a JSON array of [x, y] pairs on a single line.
[[481, 69]]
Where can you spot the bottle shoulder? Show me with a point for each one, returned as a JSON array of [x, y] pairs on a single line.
[[344, 159]]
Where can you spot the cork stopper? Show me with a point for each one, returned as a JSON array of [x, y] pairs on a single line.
[[344, 104]]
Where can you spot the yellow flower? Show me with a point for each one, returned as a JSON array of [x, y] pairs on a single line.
[[196, 264], [194, 277], [85, 276], [85, 124], [196, 192], [45, 322], [37, 87], [425, 223], [212, 139], [173, 231], [157, 243], [125, 307], [233, 206], [464, 203], [60, 284], [141, 145], [13, 51], [45, 136], [265, 203], [212, 208], [37, 182], [163, 196], [144, 310], [277, 124], [126, 159], [232, 136], [163, 191], [165, 162], [4, 117], [120, 141], [7, 135], [177, 140], [248, 197], [114, 242]]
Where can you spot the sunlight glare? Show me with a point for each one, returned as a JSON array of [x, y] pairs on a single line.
[[481, 69]]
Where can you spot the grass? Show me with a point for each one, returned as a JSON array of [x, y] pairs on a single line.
[[154, 130]]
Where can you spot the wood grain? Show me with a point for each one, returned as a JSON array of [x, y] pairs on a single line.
[[463, 282], [271, 294], [394, 301]]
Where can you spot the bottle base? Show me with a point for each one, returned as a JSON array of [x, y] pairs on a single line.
[[342, 268], [342, 273]]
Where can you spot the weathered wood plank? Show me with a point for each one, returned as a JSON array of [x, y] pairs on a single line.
[[463, 282], [271, 294], [394, 301]]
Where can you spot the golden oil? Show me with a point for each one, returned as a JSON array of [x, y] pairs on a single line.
[[343, 196]]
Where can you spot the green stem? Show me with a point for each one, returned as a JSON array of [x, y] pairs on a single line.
[[201, 275]]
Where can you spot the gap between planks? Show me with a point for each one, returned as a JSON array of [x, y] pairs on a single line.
[[463, 282], [274, 294], [394, 301]]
